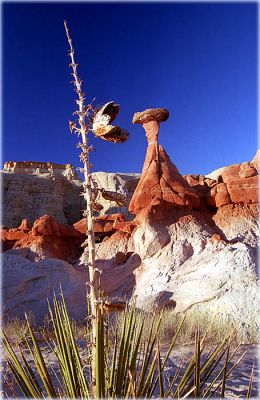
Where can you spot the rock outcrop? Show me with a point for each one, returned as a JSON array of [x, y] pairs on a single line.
[[201, 272], [31, 190], [238, 184], [234, 184], [46, 239], [161, 187]]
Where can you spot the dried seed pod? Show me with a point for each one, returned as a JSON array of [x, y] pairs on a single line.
[[101, 123]]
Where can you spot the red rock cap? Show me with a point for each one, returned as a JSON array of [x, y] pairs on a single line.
[[151, 114]]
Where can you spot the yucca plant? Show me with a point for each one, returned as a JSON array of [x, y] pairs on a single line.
[[127, 365], [98, 122]]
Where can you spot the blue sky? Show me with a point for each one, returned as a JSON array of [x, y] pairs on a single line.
[[199, 60]]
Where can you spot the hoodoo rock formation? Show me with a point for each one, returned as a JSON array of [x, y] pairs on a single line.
[[161, 186]]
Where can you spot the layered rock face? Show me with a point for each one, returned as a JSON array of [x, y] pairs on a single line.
[[31, 190], [35, 167]]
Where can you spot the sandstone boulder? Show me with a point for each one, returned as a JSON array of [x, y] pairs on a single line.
[[124, 226], [202, 273], [239, 223], [236, 184], [247, 170], [46, 226]]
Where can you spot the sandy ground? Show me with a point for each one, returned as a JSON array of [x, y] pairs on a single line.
[[237, 383], [236, 386]]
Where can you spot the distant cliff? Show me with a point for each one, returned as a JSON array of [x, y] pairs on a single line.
[[33, 189]]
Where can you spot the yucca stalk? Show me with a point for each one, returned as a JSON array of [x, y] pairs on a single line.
[[82, 130]]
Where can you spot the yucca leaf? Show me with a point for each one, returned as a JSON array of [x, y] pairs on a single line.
[[131, 388], [120, 356], [188, 393], [219, 373], [160, 371], [132, 364], [84, 388], [40, 364], [148, 354], [21, 382], [209, 365], [215, 354], [175, 377], [228, 373], [222, 394], [63, 352], [197, 364], [22, 378], [211, 368], [170, 350], [250, 385], [32, 375], [148, 380], [185, 378], [122, 361], [112, 370]]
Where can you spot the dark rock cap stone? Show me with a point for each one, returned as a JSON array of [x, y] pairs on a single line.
[[151, 114]]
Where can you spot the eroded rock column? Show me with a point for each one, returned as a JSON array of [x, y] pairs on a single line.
[[161, 186]]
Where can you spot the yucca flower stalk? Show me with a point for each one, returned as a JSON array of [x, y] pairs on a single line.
[[82, 130]]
